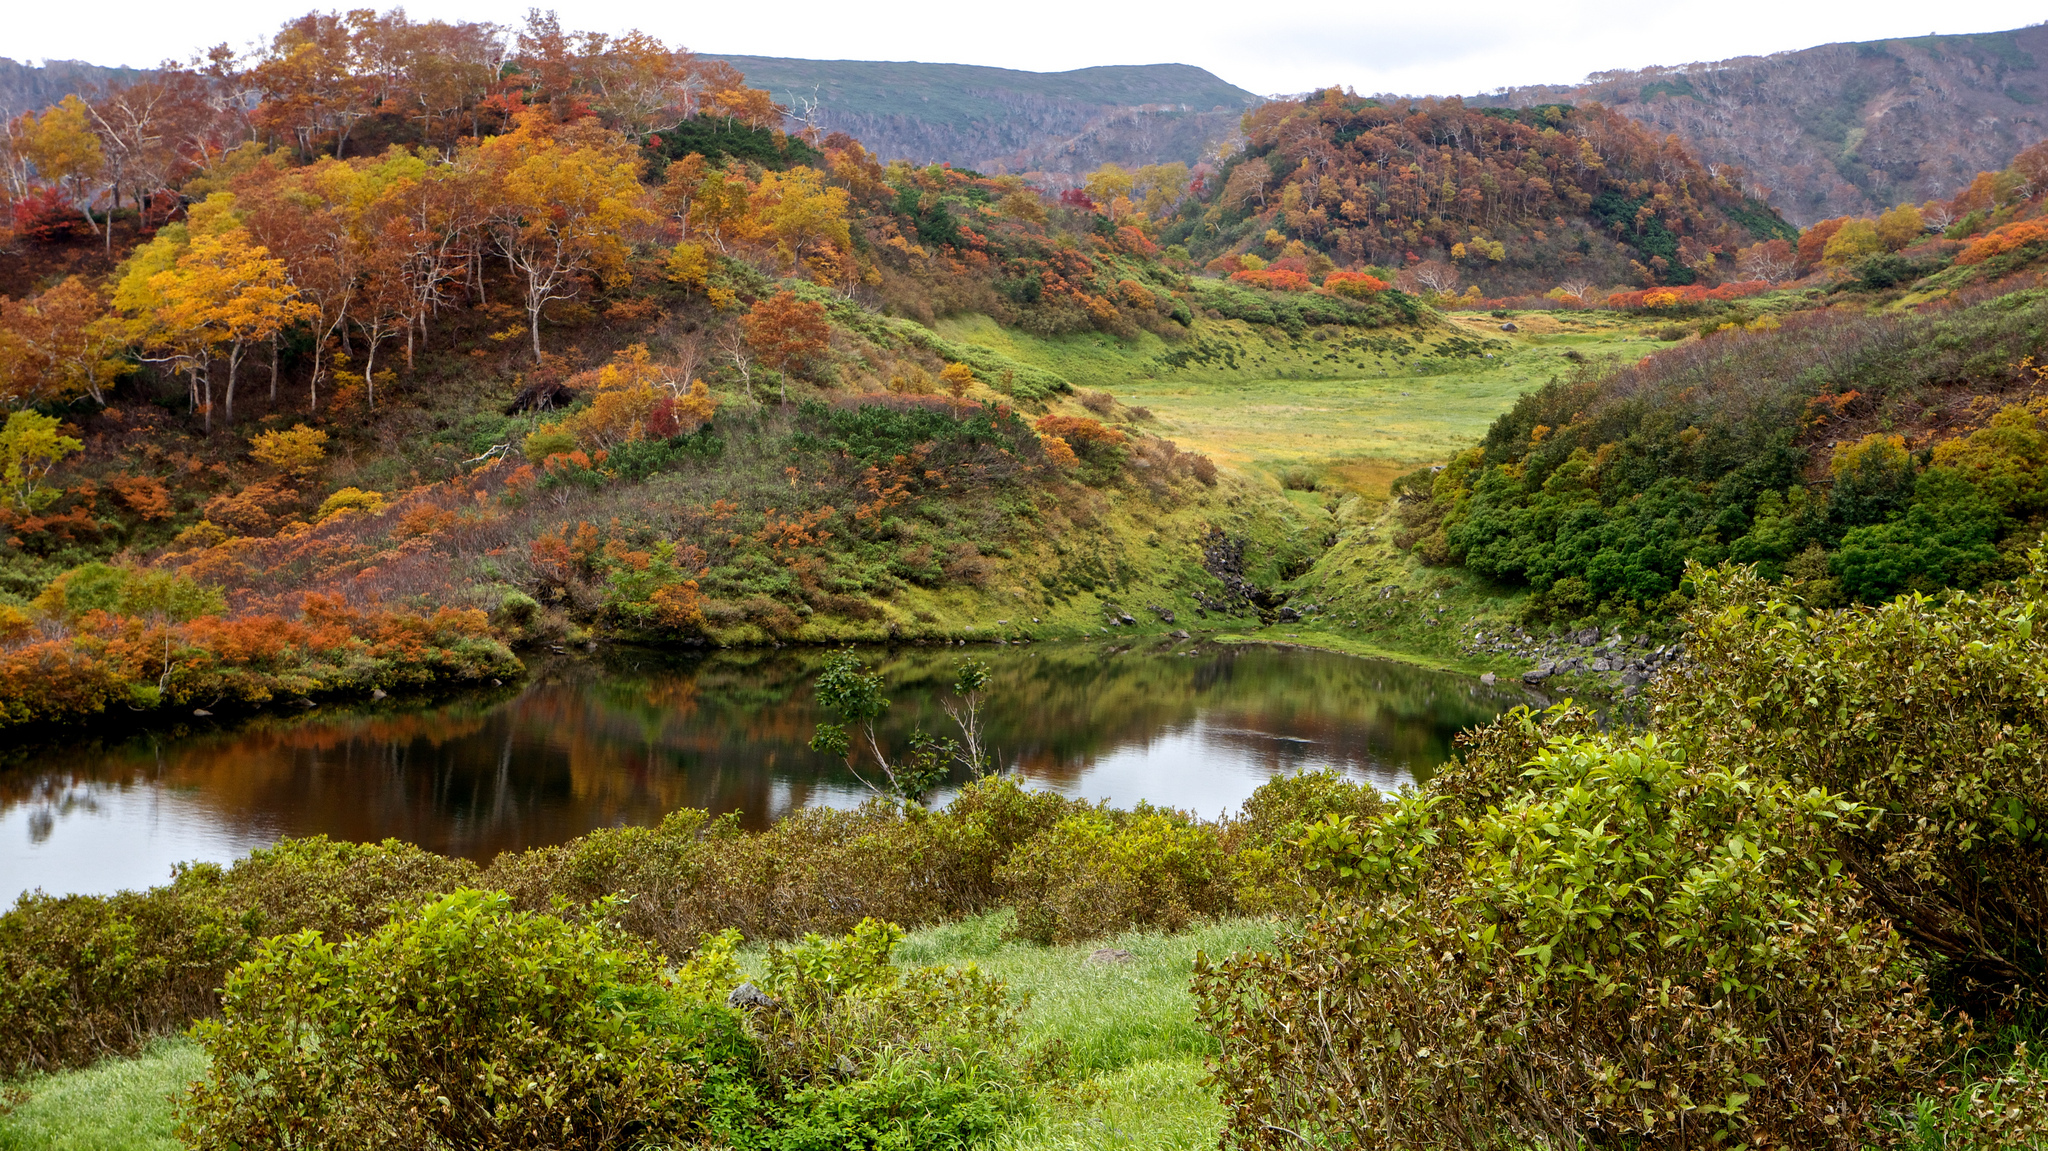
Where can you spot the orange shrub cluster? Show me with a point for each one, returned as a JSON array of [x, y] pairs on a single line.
[[1670, 297], [251, 660], [1357, 285], [1273, 279], [1078, 429], [1999, 241]]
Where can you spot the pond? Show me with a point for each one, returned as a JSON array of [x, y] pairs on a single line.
[[625, 738]]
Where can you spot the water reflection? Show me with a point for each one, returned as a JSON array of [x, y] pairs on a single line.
[[625, 740]]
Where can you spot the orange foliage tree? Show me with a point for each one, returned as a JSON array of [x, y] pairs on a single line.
[[786, 333]]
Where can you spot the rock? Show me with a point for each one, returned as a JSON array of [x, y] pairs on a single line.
[[1487, 679], [1539, 673], [1181, 634], [1509, 327], [1125, 619], [1587, 637], [377, 693], [1164, 615], [748, 995], [1102, 955], [1634, 678], [1288, 615], [201, 712]]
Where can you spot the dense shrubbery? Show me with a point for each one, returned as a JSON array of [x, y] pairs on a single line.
[[465, 1022], [87, 976], [1930, 714], [94, 975], [1595, 492], [1630, 947]]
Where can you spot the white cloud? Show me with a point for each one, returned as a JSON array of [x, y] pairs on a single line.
[[1373, 47]]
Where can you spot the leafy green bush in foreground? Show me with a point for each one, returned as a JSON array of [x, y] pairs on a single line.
[[1632, 948], [467, 1023]]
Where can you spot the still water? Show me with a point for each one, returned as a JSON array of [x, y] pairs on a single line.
[[626, 739]]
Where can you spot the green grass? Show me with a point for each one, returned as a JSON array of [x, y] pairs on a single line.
[[116, 1105], [1356, 407], [1136, 1053]]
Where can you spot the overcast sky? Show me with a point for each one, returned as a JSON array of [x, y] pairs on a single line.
[[1371, 45]]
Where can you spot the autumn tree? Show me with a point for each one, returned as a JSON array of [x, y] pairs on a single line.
[[786, 333], [55, 347], [65, 151], [1771, 260], [566, 198], [1900, 226], [31, 446], [802, 215], [206, 293]]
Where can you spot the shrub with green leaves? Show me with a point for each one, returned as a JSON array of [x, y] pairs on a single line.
[[1930, 713], [85, 976], [464, 1024], [1100, 871], [1630, 951]]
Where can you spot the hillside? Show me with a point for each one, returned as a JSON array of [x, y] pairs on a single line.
[[26, 87], [1440, 195], [1004, 120], [1842, 128]]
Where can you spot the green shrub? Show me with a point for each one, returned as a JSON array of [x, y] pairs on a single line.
[[1933, 714], [1264, 842], [1100, 871], [86, 976], [82, 977], [465, 1023], [1634, 951]]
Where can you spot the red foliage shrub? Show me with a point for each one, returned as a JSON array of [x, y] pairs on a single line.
[[1357, 285], [48, 217]]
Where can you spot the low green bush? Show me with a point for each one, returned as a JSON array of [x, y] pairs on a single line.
[[1633, 951], [82, 977], [1930, 713], [464, 1024], [1100, 870]]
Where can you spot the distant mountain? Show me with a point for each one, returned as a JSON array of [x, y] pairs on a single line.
[[1842, 128], [1001, 120], [26, 86]]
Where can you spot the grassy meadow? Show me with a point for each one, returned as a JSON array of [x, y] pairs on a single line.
[[1354, 409]]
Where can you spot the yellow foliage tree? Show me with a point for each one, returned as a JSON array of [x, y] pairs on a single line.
[[1853, 241], [1900, 226], [65, 150], [567, 198], [298, 450]]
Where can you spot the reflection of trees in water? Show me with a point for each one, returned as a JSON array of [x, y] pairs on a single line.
[[585, 745]]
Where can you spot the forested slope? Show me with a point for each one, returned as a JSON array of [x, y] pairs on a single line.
[[1841, 128], [1004, 120]]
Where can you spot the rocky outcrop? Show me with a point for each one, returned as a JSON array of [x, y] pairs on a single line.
[[1620, 663]]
